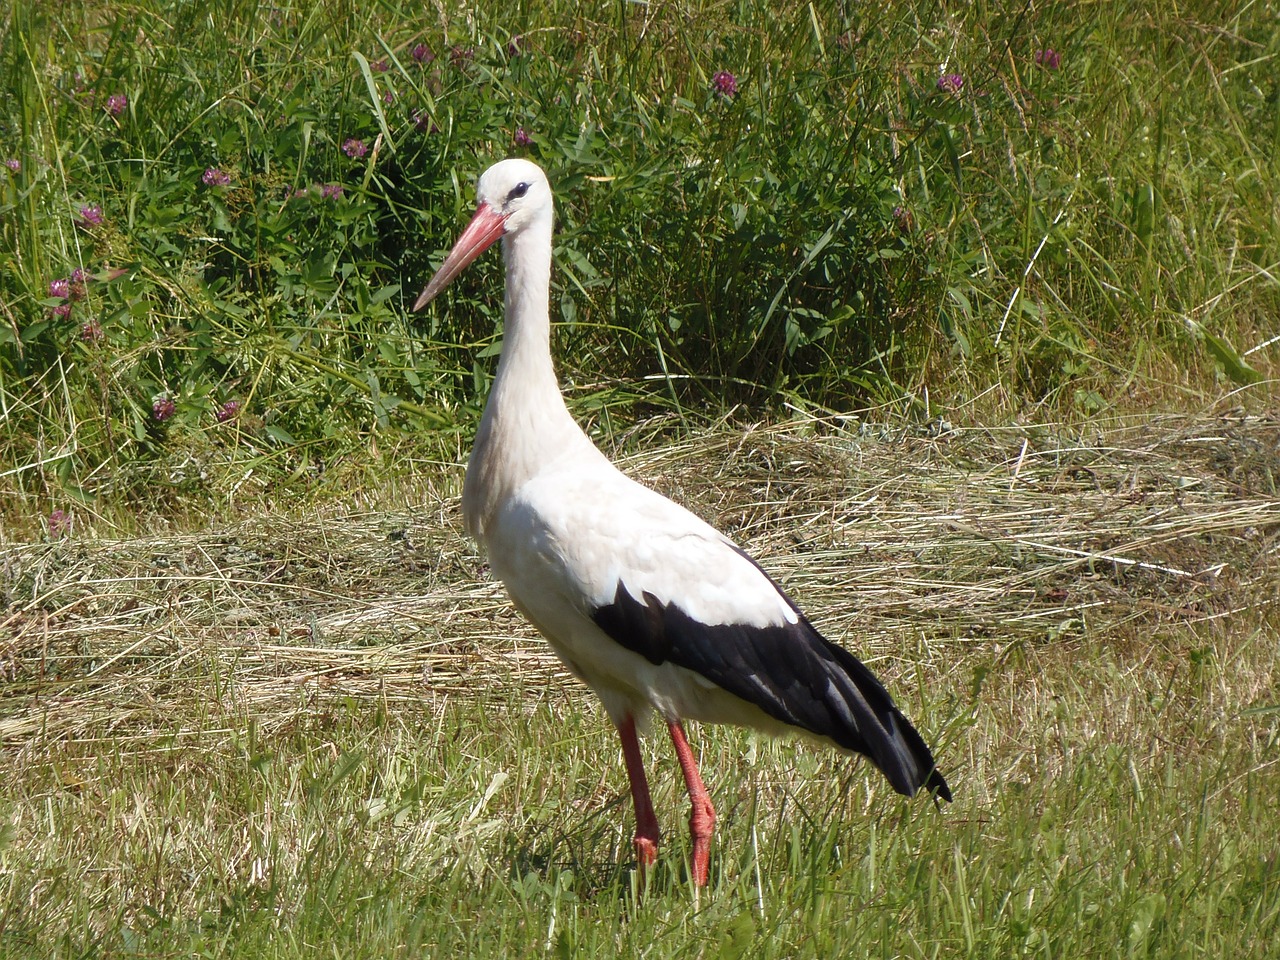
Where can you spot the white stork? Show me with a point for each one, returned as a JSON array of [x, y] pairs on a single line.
[[653, 608]]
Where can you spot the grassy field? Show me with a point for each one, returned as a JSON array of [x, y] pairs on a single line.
[[330, 734], [258, 695]]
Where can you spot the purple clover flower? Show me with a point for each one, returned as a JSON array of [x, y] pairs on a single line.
[[61, 311], [514, 46], [725, 85], [1049, 58], [422, 54], [81, 90], [59, 524], [331, 191], [950, 82], [227, 411], [422, 122], [522, 137], [117, 103], [70, 288], [380, 66], [389, 97], [91, 215], [355, 149], [214, 177], [162, 408], [461, 56], [14, 164], [92, 332]]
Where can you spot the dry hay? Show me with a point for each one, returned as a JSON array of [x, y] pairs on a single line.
[[929, 540]]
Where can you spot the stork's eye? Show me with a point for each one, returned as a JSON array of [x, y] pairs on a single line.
[[518, 191]]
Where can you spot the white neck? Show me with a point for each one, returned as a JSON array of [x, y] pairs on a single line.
[[525, 364], [525, 424]]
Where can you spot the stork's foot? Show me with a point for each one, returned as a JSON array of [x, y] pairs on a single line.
[[702, 815], [647, 834], [646, 852], [702, 823]]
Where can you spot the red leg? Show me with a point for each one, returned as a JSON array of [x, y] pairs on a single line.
[[647, 834], [702, 817]]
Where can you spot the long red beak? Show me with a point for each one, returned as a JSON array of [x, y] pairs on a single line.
[[482, 232]]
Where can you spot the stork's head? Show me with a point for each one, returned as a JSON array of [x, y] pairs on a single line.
[[511, 195]]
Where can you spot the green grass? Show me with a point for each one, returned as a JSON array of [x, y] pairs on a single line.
[[504, 833]]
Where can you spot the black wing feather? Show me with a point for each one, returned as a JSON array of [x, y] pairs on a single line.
[[790, 671]]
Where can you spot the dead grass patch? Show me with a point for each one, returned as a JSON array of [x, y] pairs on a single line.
[[925, 545]]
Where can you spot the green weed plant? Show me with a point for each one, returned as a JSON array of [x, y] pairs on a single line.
[[213, 217]]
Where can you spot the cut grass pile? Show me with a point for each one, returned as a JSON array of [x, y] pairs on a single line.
[[331, 734]]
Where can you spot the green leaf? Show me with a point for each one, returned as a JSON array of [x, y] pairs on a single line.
[[953, 156], [739, 937], [1144, 214], [1233, 364], [375, 99]]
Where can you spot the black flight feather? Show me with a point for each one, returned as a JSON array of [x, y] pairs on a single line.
[[789, 671]]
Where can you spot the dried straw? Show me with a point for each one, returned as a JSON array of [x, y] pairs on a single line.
[[922, 542]]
